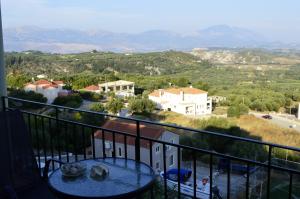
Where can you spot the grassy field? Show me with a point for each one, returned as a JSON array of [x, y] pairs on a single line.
[[256, 127], [268, 132]]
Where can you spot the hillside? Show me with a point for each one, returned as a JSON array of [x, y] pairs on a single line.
[[156, 63]]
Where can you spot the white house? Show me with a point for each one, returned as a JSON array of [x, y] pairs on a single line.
[[50, 89], [149, 131], [187, 101]]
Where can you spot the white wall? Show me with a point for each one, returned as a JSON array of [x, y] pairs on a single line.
[[178, 103], [157, 156]]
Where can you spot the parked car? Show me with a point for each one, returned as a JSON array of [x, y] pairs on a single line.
[[293, 126], [268, 117]]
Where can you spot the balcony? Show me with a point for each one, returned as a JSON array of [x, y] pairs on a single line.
[[263, 173]]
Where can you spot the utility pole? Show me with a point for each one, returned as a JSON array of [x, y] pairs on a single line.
[[3, 91]]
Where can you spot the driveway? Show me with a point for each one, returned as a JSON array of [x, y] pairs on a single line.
[[280, 120]]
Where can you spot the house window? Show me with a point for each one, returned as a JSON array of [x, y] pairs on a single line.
[[157, 149], [157, 165], [120, 151], [168, 146], [171, 160]]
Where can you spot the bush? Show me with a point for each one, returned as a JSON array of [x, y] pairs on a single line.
[[91, 96], [31, 96], [237, 110], [73, 101]]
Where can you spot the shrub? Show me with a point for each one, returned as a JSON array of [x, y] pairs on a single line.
[[91, 96], [31, 96], [73, 101]]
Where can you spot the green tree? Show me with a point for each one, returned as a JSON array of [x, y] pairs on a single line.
[[201, 85], [17, 80], [141, 105], [237, 110], [114, 105]]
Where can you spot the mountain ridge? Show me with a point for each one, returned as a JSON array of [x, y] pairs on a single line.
[[75, 41]]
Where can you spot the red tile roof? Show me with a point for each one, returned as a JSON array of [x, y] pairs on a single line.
[[42, 81], [149, 131], [58, 82], [155, 93], [92, 88], [186, 90], [50, 86]]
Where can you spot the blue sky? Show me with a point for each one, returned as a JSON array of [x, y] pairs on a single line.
[[278, 19]]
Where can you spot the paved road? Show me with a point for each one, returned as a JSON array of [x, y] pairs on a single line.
[[281, 120]]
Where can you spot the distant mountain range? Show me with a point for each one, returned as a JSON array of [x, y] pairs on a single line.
[[73, 41]]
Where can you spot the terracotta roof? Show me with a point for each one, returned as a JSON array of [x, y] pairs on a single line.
[[42, 81], [186, 90], [58, 82], [50, 86], [150, 131], [92, 88], [27, 84], [155, 93]]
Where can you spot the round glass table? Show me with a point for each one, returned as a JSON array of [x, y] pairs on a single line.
[[126, 179]]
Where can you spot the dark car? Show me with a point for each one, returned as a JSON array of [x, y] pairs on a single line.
[[269, 117]]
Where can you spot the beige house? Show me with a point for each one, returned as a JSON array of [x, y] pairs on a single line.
[[121, 88], [154, 132]]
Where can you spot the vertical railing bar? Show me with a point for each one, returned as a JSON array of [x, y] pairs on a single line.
[[114, 144], [248, 181], [103, 144], [58, 133], [3, 103], [151, 158], [83, 142], [269, 171], [75, 142], [178, 172], [137, 142], [194, 175], [38, 141], [29, 124], [44, 140], [228, 178], [210, 176], [67, 141], [51, 142], [291, 186], [165, 171], [93, 143], [125, 146]]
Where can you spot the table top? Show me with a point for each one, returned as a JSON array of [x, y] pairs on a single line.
[[126, 177]]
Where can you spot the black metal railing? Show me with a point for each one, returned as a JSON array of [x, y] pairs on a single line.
[[56, 136]]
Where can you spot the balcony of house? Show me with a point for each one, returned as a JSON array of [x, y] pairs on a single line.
[[136, 158]]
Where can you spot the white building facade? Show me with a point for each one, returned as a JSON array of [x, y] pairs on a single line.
[[50, 89], [187, 101], [156, 133]]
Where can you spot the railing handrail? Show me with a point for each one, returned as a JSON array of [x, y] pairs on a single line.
[[209, 152], [250, 140]]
